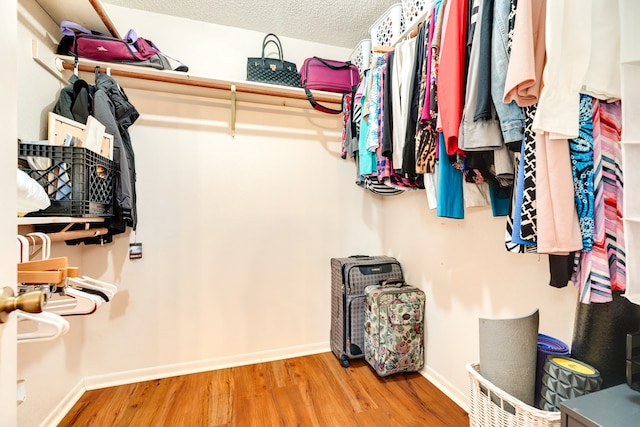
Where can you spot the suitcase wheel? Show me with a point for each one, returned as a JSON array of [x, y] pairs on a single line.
[[344, 361]]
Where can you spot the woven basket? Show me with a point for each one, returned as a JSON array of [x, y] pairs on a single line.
[[361, 56], [490, 406], [388, 27], [413, 9]]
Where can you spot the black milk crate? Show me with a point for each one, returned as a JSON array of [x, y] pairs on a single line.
[[78, 181]]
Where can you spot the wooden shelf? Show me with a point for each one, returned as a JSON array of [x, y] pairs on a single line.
[[35, 220], [90, 14], [165, 81]]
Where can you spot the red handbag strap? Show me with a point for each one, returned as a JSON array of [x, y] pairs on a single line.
[[319, 107]]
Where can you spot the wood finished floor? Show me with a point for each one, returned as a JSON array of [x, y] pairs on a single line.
[[303, 391]]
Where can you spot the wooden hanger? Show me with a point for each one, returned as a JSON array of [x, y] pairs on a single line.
[[382, 49], [53, 270]]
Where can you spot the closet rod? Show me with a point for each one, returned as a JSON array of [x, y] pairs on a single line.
[[187, 80], [63, 236]]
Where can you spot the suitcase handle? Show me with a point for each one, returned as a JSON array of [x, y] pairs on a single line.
[[392, 282]]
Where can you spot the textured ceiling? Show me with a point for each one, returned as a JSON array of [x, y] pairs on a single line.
[[334, 22]]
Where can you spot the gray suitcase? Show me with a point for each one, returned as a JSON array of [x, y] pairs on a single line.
[[349, 277]]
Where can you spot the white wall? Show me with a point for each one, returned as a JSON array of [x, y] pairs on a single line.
[[8, 119], [466, 274], [51, 370], [238, 232]]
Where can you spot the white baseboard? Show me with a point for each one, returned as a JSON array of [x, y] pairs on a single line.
[[461, 399], [146, 374], [64, 406]]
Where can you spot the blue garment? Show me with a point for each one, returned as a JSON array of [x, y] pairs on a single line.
[[367, 159], [510, 115], [519, 195], [499, 203], [450, 196], [581, 152]]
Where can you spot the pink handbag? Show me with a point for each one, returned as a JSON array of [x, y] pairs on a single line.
[[330, 76]]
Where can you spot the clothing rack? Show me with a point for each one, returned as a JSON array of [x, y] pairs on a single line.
[[186, 79], [147, 78], [26, 226], [63, 236], [183, 83]]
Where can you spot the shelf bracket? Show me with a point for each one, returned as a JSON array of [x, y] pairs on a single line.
[[37, 54]]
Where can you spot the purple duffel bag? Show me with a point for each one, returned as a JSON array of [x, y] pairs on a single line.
[[330, 76]]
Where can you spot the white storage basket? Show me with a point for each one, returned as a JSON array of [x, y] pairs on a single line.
[[414, 9], [361, 56], [388, 28], [490, 406]]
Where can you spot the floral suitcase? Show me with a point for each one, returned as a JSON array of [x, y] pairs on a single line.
[[394, 327], [349, 278]]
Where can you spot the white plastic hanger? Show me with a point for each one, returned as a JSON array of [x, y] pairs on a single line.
[[46, 243], [87, 282], [49, 326], [23, 248], [84, 303]]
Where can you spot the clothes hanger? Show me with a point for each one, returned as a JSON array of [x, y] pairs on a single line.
[[64, 303], [49, 326], [49, 271], [90, 283], [46, 244], [23, 248], [85, 303], [88, 287]]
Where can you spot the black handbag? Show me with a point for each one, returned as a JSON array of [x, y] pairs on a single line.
[[271, 70]]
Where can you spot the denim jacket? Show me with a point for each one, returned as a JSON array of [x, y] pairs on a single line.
[[511, 115]]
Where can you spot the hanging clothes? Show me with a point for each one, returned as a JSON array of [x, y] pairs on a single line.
[[602, 79], [452, 73], [511, 244], [366, 158], [425, 136], [403, 64], [568, 31], [473, 134], [484, 109], [557, 219], [450, 193], [387, 137], [108, 103], [523, 85], [384, 167], [602, 271], [581, 152], [510, 115], [409, 151], [523, 81]]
